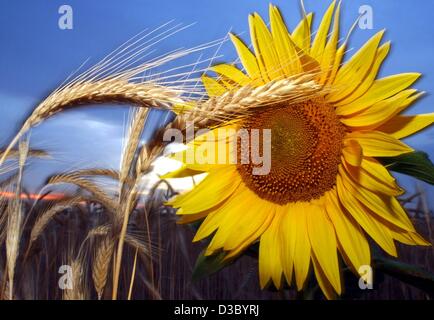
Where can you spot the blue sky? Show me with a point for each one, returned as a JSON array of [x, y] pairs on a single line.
[[36, 56]]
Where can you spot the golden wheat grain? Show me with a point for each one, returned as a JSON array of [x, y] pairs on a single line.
[[101, 264], [101, 230], [235, 104], [109, 173], [111, 90], [78, 291], [46, 216], [100, 195], [134, 242], [130, 239], [132, 142]]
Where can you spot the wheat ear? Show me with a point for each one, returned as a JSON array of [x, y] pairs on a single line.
[[45, 217], [87, 185], [243, 101], [103, 91], [101, 264]]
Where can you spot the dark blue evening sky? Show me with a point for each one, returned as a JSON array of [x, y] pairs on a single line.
[[36, 56]]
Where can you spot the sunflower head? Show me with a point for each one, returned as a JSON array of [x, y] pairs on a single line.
[[306, 143], [326, 190]]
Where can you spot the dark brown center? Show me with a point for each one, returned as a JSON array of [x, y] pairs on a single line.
[[306, 143]]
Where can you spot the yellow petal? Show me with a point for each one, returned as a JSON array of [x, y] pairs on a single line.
[[362, 216], [409, 238], [370, 181], [302, 252], [373, 166], [351, 75], [189, 218], [301, 34], [285, 47], [182, 172], [269, 255], [209, 149], [419, 240], [232, 73], [339, 56], [379, 144], [382, 53], [349, 234], [252, 237], [319, 42], [382, 111], [328, 58], [213, 87], [381, 206], [323, 241], [247, 58], [309, 64], [226, 214], [337, 63], [403, 126], [215, 188], [236, 229], [323, 280], [288, 231], [212, 222], [263, 44], [352, 152], [248, 225], [398, 210], [381, 89]]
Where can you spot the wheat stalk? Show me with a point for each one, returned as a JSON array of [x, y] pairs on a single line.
[[3, 219], [133, 276], [147, 155], [15, 218]]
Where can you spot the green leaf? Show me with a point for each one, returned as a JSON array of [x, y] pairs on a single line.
[[207, 265], [410, 274], [416, 164]]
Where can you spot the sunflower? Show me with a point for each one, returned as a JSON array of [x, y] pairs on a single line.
[[326, 191]]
